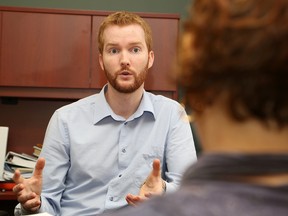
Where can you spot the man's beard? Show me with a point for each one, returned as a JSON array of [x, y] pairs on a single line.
[[138, 80]]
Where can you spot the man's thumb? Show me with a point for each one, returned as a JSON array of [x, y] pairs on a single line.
[[156, 168], [39, 167]]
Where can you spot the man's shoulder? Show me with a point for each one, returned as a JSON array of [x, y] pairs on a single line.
[[165, 106], [81, 103], [161, 99]]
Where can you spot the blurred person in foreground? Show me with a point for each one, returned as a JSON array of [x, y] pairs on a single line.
[[233, 66]]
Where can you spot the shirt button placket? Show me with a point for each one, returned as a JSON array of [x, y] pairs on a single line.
[[123, 144]]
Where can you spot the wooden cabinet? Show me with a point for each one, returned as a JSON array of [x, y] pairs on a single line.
[[49, 53], [45, 50]]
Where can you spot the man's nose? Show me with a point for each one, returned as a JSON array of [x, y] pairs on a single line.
[[124, 59]]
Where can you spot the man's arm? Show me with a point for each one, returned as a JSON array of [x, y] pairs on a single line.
[[180, 150], [179, 154]]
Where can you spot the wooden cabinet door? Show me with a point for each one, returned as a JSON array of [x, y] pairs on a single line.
[[98, 78], [165, 33], [45, 50]]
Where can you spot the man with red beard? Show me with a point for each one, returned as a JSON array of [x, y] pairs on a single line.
[[112, 148]]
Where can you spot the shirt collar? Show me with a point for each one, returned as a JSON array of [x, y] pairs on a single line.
[[103, 110]]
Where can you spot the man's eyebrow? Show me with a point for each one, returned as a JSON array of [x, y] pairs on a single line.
[[111, 44], [132, 43], [116, 45], [137, 44]]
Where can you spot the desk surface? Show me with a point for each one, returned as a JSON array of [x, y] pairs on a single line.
[[7, 195], [6, 192]]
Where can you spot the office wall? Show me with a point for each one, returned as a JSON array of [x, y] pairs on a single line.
[[157, 6]]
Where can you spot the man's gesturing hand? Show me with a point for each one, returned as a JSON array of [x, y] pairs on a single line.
[[154, 185], [28, 191]]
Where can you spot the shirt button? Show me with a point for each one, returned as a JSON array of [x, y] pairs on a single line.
[[125, 123], [124, 150], [120, 175], [111, 198]]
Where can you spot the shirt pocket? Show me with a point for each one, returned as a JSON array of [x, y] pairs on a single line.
[[145, 165]]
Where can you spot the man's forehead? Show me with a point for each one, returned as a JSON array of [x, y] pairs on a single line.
[[120, 28], [114, 33]]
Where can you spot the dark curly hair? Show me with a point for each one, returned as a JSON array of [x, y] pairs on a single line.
[[238, 48]]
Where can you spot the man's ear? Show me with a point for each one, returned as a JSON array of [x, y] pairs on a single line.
[[100, 59], [150, 59]]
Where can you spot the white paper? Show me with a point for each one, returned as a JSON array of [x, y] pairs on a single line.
[[3, 147]]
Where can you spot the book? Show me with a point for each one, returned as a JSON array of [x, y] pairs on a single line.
[[21, 169], [3, 146], [32, 157], [20, 160], [10, 169], [8, 175], [36, 150]]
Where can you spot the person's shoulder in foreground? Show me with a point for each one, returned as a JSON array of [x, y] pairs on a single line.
[[233, 68]]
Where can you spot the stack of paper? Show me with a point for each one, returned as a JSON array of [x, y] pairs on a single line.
[[23, 162]]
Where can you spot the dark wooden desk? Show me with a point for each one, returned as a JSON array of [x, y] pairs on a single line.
[[8, 201], [7, 195], [6, 192]]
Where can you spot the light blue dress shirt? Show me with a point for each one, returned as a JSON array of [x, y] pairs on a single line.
[[94, 157]]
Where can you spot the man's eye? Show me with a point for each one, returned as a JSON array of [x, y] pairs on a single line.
[[113, 51], [136, 50]]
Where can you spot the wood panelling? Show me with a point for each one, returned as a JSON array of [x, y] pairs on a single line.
[[52, 53], [27, 120]]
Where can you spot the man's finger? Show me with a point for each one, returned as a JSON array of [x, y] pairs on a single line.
[[134, 200], [32, 203], [17, 178], [156, 168], [39, 167], [17, 188], [130, 199]]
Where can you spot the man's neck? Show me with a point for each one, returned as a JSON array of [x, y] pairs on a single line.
[[267, 180], [123, 104], [221, 133]]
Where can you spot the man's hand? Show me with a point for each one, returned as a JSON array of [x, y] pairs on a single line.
[[28, 191], [154, 185]]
